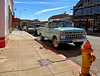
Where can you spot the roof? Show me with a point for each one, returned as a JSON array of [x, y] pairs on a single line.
[[58, 20], [24, 21]]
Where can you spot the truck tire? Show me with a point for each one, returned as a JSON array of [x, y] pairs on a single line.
[[78, 43], [41, 37], [55, 43]]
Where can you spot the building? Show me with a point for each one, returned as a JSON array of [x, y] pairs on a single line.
[[30, 22], [43, 23], [6, 11], [16, 22], [61, 16], [86, 14]]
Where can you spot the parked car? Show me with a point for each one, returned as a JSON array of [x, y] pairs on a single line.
[[35, 29], [30, 29], [60, 31], [24, 27]]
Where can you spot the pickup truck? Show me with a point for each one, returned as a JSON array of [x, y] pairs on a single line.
[[36, 26], [61, 31]]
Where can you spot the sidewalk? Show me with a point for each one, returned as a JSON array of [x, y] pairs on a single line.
[[21, 58], [94, 33]]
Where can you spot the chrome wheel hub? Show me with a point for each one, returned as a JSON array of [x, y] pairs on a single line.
[[55, 43]]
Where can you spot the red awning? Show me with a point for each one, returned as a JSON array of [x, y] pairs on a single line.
[[16, 20]]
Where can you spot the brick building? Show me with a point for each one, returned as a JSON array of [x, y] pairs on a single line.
[[61, 16], [86, 14]]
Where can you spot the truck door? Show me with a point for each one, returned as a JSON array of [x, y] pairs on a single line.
[[49, 30]]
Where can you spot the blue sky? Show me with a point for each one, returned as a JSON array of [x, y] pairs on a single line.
[[42, 9]]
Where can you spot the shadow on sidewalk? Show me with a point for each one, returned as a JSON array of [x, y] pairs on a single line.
[[68, 50]]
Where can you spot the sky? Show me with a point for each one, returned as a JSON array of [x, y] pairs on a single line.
[[42, 9]]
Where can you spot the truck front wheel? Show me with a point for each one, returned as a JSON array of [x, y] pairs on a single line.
[[78, 43], [41, 37], [55, 43]]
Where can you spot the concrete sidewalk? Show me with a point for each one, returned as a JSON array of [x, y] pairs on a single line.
[[22, 54]]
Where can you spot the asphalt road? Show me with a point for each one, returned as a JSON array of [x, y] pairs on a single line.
[[75, 54]]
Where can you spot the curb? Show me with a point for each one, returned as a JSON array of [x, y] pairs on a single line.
[[61, 55]]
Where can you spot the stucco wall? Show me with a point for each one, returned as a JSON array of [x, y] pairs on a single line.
[[4, 26], [2, 18]]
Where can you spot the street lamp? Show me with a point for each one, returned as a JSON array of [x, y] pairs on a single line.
[[20, 12], [19, 16]]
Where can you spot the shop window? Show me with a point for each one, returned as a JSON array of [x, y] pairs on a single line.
[[96, 9], [78, 12], [87, 11]]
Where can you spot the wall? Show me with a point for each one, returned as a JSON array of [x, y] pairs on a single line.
[[4, 26], [88, 10], [6, 18], [87, 17], [2, 18]]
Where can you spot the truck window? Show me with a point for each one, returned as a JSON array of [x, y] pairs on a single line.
[[57, 24], [49, 25]]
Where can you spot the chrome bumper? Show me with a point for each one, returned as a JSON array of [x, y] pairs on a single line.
[[74, 40]]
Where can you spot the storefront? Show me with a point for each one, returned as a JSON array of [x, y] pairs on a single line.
[[5, 20]]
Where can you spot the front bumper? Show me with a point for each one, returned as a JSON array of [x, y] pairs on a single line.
[[73, 40]]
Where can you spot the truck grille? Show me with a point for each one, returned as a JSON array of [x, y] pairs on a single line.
[[73, 35]]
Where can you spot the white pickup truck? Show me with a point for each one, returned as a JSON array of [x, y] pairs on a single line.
[[60, 31]]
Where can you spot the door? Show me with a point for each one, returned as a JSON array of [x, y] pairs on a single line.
[[49, 31], [90, 28]]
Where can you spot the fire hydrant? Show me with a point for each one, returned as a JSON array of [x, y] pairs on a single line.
[[87, 59]]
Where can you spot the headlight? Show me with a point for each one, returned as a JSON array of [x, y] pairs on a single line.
[[84, 34], [62, 36], [83, 31]]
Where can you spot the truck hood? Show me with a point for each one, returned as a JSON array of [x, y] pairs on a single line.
[[30, 28], [64, 29]]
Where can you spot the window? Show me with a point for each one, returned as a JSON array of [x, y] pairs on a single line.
[[57, 24], [49, 25]]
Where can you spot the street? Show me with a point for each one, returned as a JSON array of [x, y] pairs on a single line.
[[49, 37], [75, 54]]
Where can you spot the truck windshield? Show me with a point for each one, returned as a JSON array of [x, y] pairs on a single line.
[[30, 26], [37, 25], [57, 24]]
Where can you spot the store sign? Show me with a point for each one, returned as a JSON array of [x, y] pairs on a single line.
[[16, 20]]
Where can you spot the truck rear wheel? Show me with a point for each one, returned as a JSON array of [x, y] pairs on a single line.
[[41, 37], [55, 43], [78, 43]]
